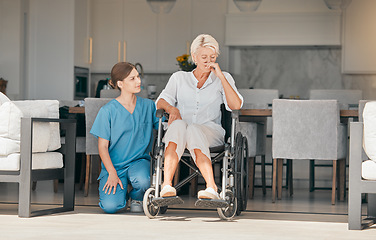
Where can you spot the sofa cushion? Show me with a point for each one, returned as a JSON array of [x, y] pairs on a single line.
[[369, 139], [10, 121], [369, 170], [3, 98], [8, 146], [43, 109], [40, 161], [46, 136]]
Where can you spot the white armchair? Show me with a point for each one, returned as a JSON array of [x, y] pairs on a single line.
[[29, 138], [362, 173]]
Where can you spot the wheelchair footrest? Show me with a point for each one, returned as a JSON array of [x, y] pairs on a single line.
[[167, 201], [211, 203]]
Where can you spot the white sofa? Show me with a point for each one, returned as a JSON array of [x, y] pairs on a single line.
[[29, 138]]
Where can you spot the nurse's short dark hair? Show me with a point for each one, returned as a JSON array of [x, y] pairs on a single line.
[[120, 71]]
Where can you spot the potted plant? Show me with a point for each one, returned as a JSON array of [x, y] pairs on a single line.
[[185, 63]]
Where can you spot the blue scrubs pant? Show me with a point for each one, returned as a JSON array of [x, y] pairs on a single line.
[[138, 175]]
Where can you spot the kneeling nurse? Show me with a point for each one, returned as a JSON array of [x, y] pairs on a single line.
[[124, 128]]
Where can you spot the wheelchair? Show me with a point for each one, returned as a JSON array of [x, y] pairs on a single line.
[[233, 156]]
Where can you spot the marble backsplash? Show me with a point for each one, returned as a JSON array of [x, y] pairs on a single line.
[[291, 70], [294, 71]]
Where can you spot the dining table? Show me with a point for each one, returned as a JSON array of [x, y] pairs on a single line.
[[257, 115], [261, 113]]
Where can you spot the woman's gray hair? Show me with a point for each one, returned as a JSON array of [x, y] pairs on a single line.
[[204, 40]]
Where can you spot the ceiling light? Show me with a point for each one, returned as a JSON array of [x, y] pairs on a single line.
[[161, 6], [247, 5], [337, 4]]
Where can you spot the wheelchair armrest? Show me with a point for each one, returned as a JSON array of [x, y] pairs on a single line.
[[160, 113], [235, 114]]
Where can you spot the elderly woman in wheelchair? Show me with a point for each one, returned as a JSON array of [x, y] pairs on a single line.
[[193, 102]]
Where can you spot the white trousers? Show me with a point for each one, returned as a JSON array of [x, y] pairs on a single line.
[[192, 136]]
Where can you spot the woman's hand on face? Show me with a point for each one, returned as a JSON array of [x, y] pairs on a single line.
[[111, 184], [214, 67], [174, 114]]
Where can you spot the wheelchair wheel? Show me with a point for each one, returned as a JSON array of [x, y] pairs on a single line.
[[150, 209], [244, 175], [229, 212]]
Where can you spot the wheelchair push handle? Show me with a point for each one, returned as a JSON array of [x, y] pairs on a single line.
[[159, 113]]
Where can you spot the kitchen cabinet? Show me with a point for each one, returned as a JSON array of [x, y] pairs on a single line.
[[123, 31], [136, 34], [107, 32], [284, 23], [127, 30], [173, 35], [82, 41], [359, 38], [140, 34]]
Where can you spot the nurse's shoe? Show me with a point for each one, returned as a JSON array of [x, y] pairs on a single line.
[[208, 193], [136, 206], [168, 191]]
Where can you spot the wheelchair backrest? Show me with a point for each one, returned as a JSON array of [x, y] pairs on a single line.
[[226, 121]]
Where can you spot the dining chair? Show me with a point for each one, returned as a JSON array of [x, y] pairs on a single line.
[[258, 99], [362, 172], [347, 98], [92, 107], [308, 129], [109, 93]]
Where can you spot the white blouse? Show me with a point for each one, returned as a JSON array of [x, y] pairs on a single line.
[[198, 105]]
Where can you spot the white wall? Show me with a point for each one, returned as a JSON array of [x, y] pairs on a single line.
[[51, 49], [10, 45]]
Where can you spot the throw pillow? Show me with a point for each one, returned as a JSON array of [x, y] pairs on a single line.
[[369, 139]]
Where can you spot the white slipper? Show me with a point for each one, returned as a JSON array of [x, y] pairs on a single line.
[[168, 191], [208, 193]]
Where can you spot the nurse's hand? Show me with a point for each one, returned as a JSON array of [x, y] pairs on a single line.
[[174, 114], [111, 184]]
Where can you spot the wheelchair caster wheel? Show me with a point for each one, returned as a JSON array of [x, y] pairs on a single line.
[[150, 210], [163, 210], [227, 213]]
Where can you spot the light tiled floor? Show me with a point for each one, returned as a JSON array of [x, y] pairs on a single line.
[[303, 216]]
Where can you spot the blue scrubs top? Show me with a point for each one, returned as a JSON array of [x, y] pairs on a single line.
[[130, 135]]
